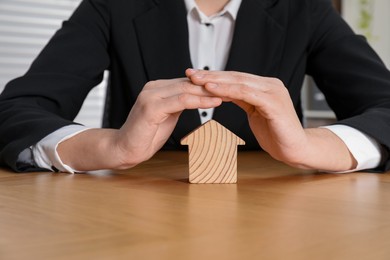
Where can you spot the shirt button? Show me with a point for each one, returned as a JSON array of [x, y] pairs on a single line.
[[204, 113], [206, 68]]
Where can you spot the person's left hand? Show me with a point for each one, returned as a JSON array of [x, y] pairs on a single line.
[[273, 119]]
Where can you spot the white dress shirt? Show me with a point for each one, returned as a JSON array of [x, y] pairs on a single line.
[[209, 43], [210, 38]]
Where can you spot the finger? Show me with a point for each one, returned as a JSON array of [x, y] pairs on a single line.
[[238, 92], [172, 88], [248, 108], [189, 72], [257, 83], [178, 103], [201, 77], [269, 103], [163, 83]]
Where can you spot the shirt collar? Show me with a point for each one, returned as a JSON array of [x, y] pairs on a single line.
[[231, 7]]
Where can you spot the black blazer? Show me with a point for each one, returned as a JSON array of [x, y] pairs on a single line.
[[139, 41]]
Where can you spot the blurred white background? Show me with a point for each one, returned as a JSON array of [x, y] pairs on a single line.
[[25, 27]]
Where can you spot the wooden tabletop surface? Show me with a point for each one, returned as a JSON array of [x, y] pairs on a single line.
[[152, 212]]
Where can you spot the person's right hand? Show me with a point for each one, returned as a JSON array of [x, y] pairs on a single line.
[[155, 114], [148, 126]]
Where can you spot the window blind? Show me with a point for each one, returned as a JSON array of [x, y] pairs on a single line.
[[25, 28]]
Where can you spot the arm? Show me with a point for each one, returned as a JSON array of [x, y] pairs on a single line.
[[148, 126], [354, 80], [51, 93]]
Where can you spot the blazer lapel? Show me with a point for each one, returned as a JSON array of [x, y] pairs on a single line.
[[163, 40], [256, 48]]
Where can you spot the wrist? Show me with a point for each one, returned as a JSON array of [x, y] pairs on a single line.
[[128, 151], [95, 149], [324, 151]]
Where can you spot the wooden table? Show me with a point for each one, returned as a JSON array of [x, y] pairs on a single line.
[[152, 212]]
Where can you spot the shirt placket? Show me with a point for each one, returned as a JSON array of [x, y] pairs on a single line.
[[206, 57]]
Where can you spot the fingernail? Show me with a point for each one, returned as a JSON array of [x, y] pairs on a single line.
[[191, 71]]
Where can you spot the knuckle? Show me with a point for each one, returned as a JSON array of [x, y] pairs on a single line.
[[245, 90], [143, 96], [185, 87], [276, 81], [239, 78], [146, 102], [184, 98], [274, 86], [151, 84]]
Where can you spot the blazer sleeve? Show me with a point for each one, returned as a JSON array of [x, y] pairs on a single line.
[[354, 80], [52, 91]]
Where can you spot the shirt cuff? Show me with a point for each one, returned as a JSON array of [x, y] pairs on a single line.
[[45, 151], [365, 149]]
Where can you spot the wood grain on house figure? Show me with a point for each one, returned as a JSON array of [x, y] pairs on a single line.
[[212, 154]]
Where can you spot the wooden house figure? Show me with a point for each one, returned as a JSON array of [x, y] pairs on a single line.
[[212, 154]]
